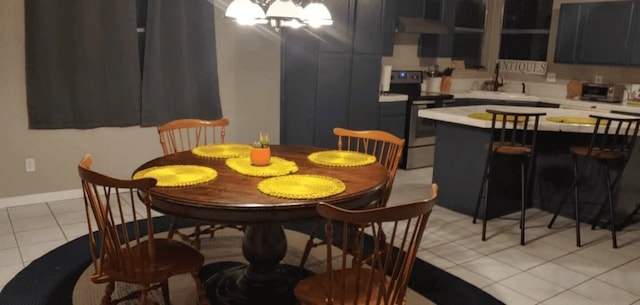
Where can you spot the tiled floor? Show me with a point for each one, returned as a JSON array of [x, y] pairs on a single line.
[[549, 270]]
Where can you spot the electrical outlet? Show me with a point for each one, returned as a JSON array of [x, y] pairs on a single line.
[[30, 165], [598, 79], [551, 77]]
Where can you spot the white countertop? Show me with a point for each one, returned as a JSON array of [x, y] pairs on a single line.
[[460, 115], [393, 97], [563, 102]]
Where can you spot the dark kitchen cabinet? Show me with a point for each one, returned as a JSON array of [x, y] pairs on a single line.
[[389, 15], [411, 8], [393, 116], [365, 75], [438, 45], [634, 38], [567, 35], [331, 76], [369, 27], [339, 36], [596, 33]]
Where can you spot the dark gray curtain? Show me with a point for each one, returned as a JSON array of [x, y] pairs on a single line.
[[82, 64], [84, 67], [180, 77]]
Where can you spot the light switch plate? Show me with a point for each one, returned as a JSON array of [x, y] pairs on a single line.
[[551, 77]]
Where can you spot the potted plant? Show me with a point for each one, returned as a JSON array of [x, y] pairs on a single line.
[[260, 151]]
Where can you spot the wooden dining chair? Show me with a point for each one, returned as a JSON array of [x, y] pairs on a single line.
[[386, 147], [371, 262], [124, 248], [512, 134], [185, 134], [609, 148]]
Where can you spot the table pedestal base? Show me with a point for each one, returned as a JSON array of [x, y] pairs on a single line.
[[239, 286]]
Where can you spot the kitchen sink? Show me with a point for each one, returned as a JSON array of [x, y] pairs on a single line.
[[501, 95]]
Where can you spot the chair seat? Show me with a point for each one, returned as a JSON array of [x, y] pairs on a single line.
[[597, 153], [511, 149], [173, 257], [313, 290]]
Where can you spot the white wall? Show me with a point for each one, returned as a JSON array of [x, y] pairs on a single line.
[[249, 69]]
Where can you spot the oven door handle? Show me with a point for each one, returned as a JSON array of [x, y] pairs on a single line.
[[423, 102]]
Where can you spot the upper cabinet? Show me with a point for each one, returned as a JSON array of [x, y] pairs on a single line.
[[599, 33], [389, 15]]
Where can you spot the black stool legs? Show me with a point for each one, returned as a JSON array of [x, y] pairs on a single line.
[[575, 186], [526, 182]]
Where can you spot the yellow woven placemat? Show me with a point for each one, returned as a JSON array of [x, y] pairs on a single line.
[[178, 175], [572, 120], [488, 116], [277, 167], [341, 158], [222, 150], [301, 186]]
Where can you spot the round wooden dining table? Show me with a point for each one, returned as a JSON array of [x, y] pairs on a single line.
[[234, 199]]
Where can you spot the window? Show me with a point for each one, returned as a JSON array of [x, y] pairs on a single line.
[[525, 29], [500, 29], [469, 32]]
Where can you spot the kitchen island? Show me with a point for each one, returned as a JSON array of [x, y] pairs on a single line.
[[460, 154]]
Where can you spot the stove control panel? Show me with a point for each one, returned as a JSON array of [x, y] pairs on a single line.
[[406, 77]]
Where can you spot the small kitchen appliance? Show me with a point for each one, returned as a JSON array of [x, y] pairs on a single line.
[[611, 93], [420, 133]]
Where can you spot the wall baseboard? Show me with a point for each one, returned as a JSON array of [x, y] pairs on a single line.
[[8, 202]]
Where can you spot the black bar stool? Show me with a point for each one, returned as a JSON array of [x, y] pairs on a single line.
[[514, 134], [611, 145]]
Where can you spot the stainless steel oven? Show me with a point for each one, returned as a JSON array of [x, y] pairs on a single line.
[[420, 133]]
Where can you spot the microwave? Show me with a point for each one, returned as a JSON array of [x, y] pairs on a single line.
[[612, 93]]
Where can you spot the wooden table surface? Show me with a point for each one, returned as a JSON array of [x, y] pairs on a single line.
[[234, 198]]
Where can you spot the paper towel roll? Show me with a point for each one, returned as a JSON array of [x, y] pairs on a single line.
[[385, 78]]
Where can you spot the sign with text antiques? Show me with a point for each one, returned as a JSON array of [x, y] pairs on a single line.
[[523, 66]]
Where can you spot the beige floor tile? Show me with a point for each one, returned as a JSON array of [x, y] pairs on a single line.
[[5, 227], [29, 211], [559, 275], [34, 223], [581, 264], [34, 251], [624, 277], [470, 276], [66, 206], [603, 293], [453, 232], [491, 268], [517, 258], [543, 250], [569, 298], [508, 296], [485, 247], [7, 272], [37, 236], [71, 217], [434, 259], [74, 230], [10, 256], [455, 253], [607, 256], [532, 286], [7, 241]]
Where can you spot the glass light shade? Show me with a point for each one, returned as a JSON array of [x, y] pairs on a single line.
[[245, 12], [283, 9], [316, 14]]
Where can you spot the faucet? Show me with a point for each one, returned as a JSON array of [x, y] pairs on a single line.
[[496, 77]]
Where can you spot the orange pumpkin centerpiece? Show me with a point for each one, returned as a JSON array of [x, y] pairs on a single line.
[[260, 151]]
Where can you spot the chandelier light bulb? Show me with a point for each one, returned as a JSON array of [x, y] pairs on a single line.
[[279, 13], [316, 14]]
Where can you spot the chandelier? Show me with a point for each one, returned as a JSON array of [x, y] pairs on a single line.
[[279, 13]]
